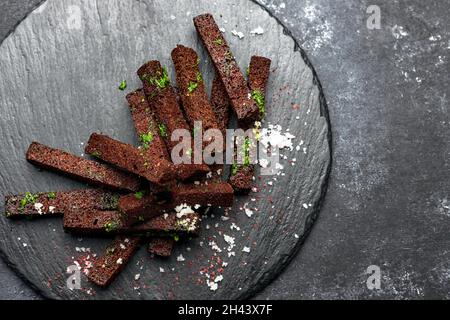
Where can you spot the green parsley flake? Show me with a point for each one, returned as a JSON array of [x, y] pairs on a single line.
[[96, 154], [146, 139], [139, 195], [162, 130], [199, 77], [258, 97], [51, 195], [111, 226], [247, 144], [161, 80], [234, 169], [192, 86], [123, 85], [29, 198], [218, 41]]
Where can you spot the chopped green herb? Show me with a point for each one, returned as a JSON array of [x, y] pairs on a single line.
[[51, 195], [146, 139], [111, 226], [153, 94], [110, 201], [141, 219], [247, 144], [192, 86], [228, 55], [189, 152], [247, 71], [218, 41], [29, 198], [139, 195], [176, 237], [110, 250], [96, 154], [197, 62], [258, 97], [123, 85], [162, 130], [161, 80], [195, 131], [234, 169]]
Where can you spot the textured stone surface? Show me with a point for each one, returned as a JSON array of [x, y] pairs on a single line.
[[387, 203], [59, 83]]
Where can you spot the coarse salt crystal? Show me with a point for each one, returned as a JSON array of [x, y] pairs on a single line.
[[257, 31], [246, 249], [180, 258], [119, 261]]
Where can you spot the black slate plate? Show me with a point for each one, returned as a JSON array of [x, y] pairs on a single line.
[[60, 71]]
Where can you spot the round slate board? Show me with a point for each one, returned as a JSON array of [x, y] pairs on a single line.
[[60, 71]]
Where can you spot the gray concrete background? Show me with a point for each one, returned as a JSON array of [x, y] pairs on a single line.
[[388, 202]]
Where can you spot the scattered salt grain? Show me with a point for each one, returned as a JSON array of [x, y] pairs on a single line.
[[257, 31], [246, 249], [183, 210], [238, 34]]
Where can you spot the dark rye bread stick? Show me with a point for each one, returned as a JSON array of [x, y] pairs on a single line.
[[161, 247], [207, 193], [56, 203], [113, 261], [129, 158], [258, 76], [226, 67], [146, 125], [142, 208], [147, 129], [163, 99], [191, 88], [259, 70], [81, 169], [105, 223]]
